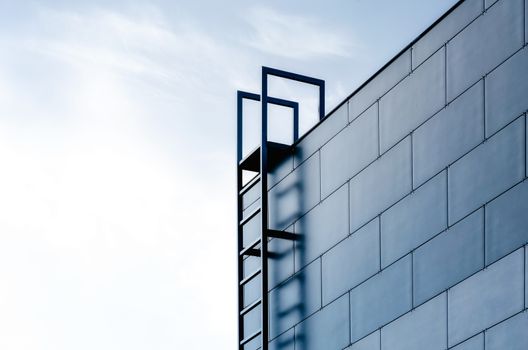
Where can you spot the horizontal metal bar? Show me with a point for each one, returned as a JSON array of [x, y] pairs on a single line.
[[293, 76], [253, 252], [283, 235], [249, 185], [250, 338], [250, 307], [247, 250], [248, 95], [250, 277], [250, 216], [283, 103]]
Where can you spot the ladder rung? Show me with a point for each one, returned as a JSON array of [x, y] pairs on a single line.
[[283, 235], [249, 185], [250, 216], [249, 250], [250, 338], [250, 277], [250, 307], [252, 252]]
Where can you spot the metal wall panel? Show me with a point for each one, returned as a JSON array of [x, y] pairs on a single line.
[[487, 171], [484, 44], [401, 110], [414, 220], [486, 298], [507, 92], [449, 258], [449, 135], [423, 328], [381, 299], [351, 262]]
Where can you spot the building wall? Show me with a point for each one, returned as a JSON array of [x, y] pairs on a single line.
[[412, 201]]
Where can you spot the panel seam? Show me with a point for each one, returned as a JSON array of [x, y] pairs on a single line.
[[447, 197], [484, 106], [412, 161], [447, 318], [484, 230], [445, 74]]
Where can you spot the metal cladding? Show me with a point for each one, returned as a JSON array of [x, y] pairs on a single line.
[[407, 203]]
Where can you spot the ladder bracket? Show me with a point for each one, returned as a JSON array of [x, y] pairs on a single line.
[[283, 235]]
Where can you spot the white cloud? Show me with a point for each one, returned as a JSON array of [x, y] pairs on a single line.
[[146, 47], [109, 239], [293, 36], [117, 145]]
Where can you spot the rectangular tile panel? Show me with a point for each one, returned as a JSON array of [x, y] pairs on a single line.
[[445, 30], [507, 91], [451, 133], [449, 258], [326, 329], [414, 220], [351, 262], [380, 185], [475, 343], [511, 334], [370, 342], [486, 298], [400, 111], [322, 227], [349, 151], [506, 222], [321, 134], [295, 194], [382, 83], [423, 328], [381, 299], [488, 170], [295, 299], [483, 45]]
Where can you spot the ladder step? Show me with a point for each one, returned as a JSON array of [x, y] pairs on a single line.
[[249, 185], [250, 307], [250, 249], [283, 235], [250, 277], [250, 216], [251, 337]]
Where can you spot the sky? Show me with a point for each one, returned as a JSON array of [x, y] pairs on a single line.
[[118, 154]]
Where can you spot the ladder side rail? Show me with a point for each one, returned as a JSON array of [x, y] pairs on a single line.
[[241, 95], [240, 263], [264, 212]]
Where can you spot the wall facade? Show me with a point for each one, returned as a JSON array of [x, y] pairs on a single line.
[[412, 201]]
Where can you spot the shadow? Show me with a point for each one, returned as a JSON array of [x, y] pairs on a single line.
[[288, 287]]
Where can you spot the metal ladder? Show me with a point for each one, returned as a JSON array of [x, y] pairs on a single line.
[[260, 161]]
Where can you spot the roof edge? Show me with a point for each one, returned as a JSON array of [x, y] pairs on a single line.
[[378, 72]]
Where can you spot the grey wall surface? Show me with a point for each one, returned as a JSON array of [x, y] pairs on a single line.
[[412, 199]]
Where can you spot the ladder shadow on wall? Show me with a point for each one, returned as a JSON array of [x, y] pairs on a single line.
[[288, 295]]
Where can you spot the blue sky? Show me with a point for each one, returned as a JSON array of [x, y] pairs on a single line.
[[117, 145]]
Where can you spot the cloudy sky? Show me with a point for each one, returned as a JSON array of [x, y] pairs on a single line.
[[117, 153]]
